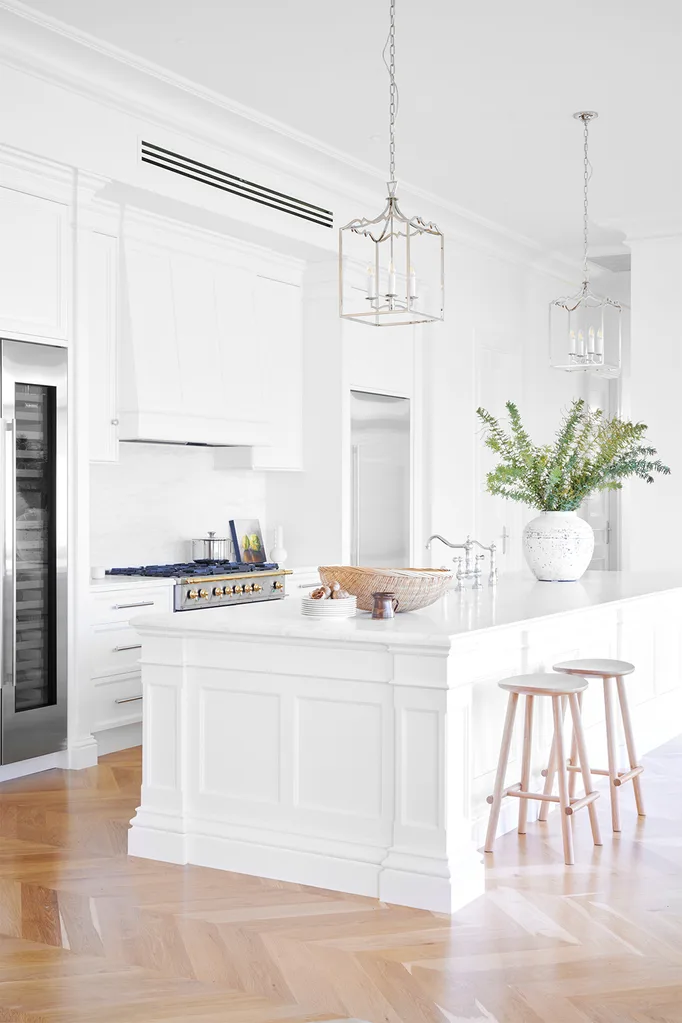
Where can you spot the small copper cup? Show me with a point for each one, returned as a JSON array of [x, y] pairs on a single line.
[[385, 605]]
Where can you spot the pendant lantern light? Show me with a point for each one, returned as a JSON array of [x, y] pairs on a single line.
[[585, 328], [391, 267]]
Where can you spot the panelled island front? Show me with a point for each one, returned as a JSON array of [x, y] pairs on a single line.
[[357, 755]]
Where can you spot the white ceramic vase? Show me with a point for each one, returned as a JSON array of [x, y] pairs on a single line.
[[558, 546]]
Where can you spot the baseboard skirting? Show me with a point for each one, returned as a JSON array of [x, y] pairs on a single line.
[[111, 740], [453, 886]]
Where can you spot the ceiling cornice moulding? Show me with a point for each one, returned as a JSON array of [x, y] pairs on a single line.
[[49, 49]]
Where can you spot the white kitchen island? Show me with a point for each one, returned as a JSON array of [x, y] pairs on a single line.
[[357, 755]]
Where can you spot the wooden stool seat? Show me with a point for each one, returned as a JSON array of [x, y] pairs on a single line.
[[559, 688], [544, 683], [607, 669], [603, 666]]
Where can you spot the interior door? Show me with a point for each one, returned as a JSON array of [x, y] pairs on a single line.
[[381, 483], [34, 557]]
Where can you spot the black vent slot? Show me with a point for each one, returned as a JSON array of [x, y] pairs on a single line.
[[207, 175]]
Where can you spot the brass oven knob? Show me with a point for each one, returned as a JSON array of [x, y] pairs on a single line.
[[192, 595], [237, 589], [249, 588], [218, 591], [278, 586], [256, 588], [204, 594]]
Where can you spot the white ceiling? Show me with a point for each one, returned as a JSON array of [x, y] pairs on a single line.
[[487, 92]]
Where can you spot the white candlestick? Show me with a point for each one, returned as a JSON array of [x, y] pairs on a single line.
[[413, 283], [581, 344], [571, 343], [371, 283], [391, 278], [590, 341]]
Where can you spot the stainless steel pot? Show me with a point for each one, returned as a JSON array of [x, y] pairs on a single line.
[[211, 548]]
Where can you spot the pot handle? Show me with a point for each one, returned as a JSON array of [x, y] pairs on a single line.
[[396, 603]]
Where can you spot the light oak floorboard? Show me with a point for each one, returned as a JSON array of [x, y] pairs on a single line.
[[88, 934]]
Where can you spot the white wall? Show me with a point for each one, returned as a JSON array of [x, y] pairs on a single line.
[[147, 507], [651, 514]]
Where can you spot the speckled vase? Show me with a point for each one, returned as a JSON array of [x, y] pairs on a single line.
[[558, 546]]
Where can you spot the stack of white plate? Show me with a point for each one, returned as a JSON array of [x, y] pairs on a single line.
[[344, 608]]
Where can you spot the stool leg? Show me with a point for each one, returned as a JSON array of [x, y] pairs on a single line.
[[551, 770], [630, 743], [562, 773], [525, 763], [579, 739], [573, 759], [611, 752], [501, 771]]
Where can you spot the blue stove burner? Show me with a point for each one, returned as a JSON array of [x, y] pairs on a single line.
[[193, 568]]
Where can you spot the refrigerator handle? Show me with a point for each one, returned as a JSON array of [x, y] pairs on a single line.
[[9, 575]]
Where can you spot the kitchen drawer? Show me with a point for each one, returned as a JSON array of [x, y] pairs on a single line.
[[122, 605], [116, 701], [301, 583], [115, 650]]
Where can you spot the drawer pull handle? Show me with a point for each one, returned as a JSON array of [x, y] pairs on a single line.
[[130, 646], [138, 603], [127, 699]]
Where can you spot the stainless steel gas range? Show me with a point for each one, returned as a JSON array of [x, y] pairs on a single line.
[[216, 583]]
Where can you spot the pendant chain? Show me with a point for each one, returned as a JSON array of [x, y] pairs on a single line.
[[393, 105], [587, 174]]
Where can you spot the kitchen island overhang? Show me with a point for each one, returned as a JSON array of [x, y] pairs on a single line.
[[357, 755]]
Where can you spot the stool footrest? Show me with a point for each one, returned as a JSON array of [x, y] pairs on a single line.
[[628, 776], [578, 804], [593, 770], [520, 794]]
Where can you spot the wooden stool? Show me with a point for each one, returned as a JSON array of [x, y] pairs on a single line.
[[559, 688], [606, 670]]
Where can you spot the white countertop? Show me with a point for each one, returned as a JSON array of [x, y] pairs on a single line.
[[515, 599]]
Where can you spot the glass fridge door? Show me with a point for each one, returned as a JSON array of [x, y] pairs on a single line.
[[34, 570]]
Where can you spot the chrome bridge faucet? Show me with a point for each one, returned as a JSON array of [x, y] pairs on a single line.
[[472, 563]]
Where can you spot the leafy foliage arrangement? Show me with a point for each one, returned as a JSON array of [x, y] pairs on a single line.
[[590, 453]]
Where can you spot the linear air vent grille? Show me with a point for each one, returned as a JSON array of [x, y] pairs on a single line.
[[216, 178]]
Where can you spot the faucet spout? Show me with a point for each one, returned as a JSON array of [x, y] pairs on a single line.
[[437, 536]]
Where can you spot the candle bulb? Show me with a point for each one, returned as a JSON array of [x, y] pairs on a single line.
[[590, 341], [371, 283], [571, 343], [391, 278], [581, 344], [412, 284], [600, 344]]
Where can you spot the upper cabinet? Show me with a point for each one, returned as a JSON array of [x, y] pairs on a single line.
[[34, 265]]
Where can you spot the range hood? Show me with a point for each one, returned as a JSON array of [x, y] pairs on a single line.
[[191, 361]]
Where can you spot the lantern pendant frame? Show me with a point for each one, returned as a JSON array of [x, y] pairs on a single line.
[[400, 303], [592, 346]]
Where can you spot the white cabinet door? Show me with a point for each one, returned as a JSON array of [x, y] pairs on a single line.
[[280, 339], [34, 269], [101, 281], [150, 385]]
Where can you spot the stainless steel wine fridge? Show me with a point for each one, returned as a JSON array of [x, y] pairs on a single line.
[[34, 587]]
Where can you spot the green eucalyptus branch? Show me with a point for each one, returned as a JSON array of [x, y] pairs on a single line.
[[590, 453]]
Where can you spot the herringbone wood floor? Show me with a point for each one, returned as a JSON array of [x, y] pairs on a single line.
[[87, 934]]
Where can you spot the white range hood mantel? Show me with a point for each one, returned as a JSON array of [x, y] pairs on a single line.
[[191, 360]]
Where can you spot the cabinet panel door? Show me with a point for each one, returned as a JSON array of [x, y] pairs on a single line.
[[280, 339], [34, 278], [101, 277]]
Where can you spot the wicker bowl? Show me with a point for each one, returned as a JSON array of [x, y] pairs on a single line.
[[413, 587]]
